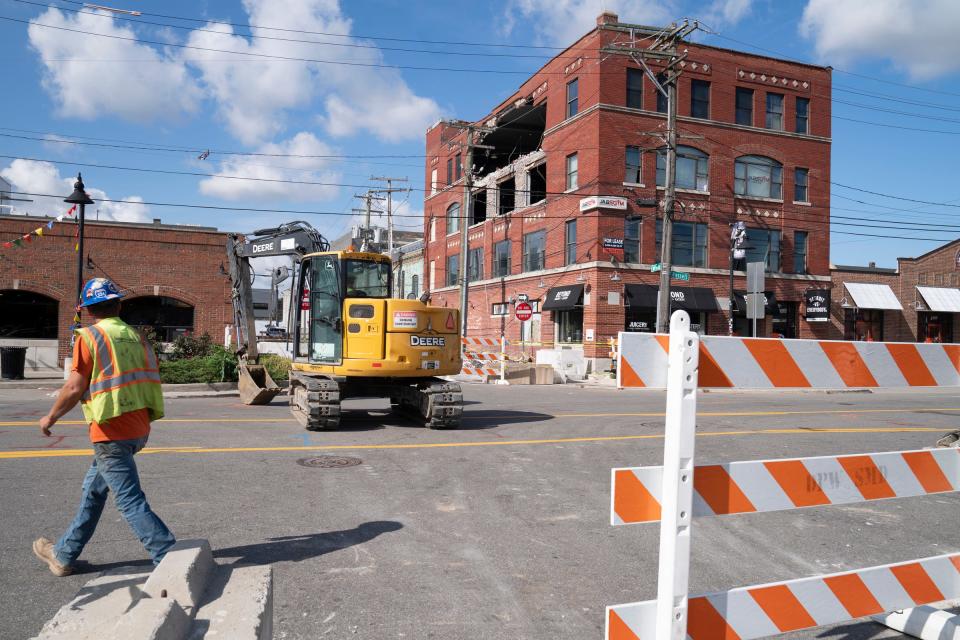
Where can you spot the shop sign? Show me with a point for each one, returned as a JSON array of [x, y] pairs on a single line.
[[603, 202], [638, 325], [818, 305]]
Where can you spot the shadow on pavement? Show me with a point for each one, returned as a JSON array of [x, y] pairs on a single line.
[[307, 546]]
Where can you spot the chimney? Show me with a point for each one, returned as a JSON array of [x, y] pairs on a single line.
[[872, 265], [607, 17]]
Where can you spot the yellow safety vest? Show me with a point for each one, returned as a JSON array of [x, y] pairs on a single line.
[[125, 374]]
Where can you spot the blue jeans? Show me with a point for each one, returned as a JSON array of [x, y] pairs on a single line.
[[113, 469]]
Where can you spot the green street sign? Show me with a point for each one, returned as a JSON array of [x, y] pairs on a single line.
[[655, 267], [679, 275]]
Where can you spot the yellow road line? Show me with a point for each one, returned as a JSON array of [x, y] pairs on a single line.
[[523, 414], [62, 453]]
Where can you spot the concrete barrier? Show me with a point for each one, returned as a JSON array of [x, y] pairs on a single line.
[[187, 596], [766, 363]]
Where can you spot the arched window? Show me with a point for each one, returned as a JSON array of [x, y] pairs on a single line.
[[27, 315], [758, 176], [453, 218], [693, 168]]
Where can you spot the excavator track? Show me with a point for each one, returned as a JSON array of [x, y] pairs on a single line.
[[437, 402], [315, 402]]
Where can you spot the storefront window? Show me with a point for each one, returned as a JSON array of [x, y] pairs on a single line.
[[934, 327], [641, 320], [569, 325], [863, 325], [785, 320]]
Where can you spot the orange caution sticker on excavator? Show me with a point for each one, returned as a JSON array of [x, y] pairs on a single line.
[[450, 324]]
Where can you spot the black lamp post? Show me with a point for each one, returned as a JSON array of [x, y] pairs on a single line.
[[79, 197]]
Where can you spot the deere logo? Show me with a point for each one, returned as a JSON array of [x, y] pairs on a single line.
[[428, 341]]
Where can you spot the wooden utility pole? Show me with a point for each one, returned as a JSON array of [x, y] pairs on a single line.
[[390, 190], [663, 48]]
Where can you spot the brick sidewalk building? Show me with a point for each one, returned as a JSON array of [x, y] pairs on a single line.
[[171, 273], [557, 205]]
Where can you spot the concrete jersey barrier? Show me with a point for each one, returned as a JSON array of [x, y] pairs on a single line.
[[766, 363]]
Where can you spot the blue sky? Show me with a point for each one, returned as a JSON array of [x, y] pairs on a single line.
[[127, 90]]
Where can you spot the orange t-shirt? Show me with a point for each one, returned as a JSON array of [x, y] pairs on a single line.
[[127, 426]]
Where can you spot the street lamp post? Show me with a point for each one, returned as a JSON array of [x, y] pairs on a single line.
[[79, 197], [738, 234]]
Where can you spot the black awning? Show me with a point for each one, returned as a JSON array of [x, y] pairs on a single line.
[[696, 299], [642, 296], [563, 298], [770, 303]]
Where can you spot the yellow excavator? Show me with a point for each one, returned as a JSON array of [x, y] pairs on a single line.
[[347, 337]]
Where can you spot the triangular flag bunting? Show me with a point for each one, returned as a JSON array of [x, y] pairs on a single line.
[[26, 237], [71, 210], [76, 247], [7, 245], [39, 231], [50, 225], [59, 219], [18, 242]]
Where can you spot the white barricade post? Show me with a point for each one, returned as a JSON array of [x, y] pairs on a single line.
[[678, 491]]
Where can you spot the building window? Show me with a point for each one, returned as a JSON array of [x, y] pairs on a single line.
[[635, 88], [570, 241], [699, 99], [433, 228], [803, 116], [414, 286], [863, 325], [449, 171], [453, 270], [763, 245], [745, 106], [433, 275], [569, 325], [632, 175], [800, 177], [775, 111], [475, 264], [631, 239], [508, 195], [662, 99], [453, 218], [534, 250], [500, 309], [688, 247], [433, 182], [759, 177], [458, 166], [571, 171], [693, 171], [800, 252], [501, 259], [572, 100], [537, 180]]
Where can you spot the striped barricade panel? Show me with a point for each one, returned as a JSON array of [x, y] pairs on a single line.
[[776, 485], [764, 363], [771, 609], [478, 354], [482, 342]]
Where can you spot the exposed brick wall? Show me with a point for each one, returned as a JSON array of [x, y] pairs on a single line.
[[148, 260]]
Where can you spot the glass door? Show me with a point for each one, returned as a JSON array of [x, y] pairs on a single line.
[[326, 324]]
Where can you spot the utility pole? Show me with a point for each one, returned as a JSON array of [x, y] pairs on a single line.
[[367, 229], [466, 214], [663, 48], [390, 190]]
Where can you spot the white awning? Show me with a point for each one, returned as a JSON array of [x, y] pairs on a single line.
[[872, 296], [941, 298]]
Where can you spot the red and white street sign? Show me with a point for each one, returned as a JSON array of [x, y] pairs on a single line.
[[524, 311]]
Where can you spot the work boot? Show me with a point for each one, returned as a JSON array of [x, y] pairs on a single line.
[[43, 549]]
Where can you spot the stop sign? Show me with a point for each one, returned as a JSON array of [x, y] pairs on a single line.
[[524, 311]]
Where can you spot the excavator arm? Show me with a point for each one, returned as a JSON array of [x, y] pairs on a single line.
[[294, 239]]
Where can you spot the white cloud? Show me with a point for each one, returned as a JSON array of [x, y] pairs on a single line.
[[271, 168], [727, 12], [91, 76], [254, 95], [917, 36], [561, 22], [31, 176]]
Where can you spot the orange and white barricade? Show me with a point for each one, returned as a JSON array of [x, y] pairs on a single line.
[[480, 356], [679, 491]]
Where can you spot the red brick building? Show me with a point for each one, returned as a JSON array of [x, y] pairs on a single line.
[[558, 212], [172, 276], [919, 301]]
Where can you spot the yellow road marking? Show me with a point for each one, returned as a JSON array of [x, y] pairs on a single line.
[[62, 453], [522, 414]]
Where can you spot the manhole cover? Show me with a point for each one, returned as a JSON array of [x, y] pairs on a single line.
[[329, 462]]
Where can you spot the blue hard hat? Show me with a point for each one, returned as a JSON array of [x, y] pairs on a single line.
[[99, 290]]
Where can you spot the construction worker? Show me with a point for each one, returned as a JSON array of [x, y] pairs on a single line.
[[116, 379]]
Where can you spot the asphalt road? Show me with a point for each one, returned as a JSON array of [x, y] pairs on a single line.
[[498, 530]]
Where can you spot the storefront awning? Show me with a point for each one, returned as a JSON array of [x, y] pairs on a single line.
[[941, 298], [563, 298], [695, 299], [769, 303], [872, 296]]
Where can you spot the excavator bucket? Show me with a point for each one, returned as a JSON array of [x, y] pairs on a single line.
[[255, 384]]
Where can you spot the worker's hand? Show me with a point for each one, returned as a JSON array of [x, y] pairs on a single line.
[[46, 422]]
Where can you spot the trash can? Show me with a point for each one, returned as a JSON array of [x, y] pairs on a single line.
[[12, 362]]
